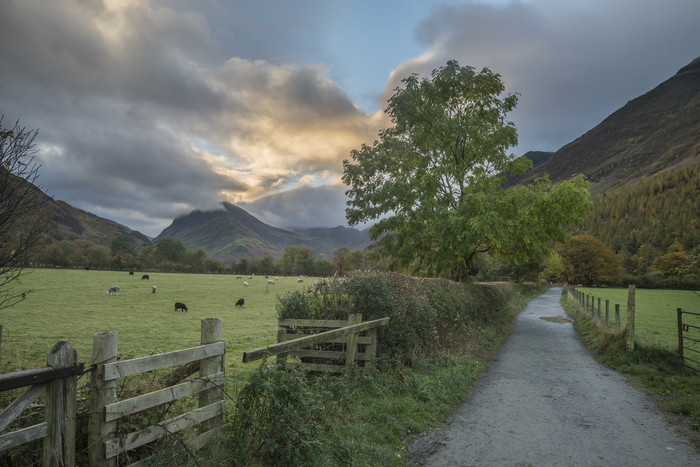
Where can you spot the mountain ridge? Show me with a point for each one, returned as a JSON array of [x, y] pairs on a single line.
[[232, 233], [655, 132]]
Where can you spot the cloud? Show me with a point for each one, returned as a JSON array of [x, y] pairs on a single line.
[[136, 126], [311, 206]]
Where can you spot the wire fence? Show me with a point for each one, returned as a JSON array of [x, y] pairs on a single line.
[[655, 312]]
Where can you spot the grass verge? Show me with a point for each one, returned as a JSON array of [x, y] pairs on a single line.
[[655, 370]]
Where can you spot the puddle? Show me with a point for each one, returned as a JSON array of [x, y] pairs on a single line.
[[556, 319]]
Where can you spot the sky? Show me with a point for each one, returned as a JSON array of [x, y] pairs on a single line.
[[150, 109]]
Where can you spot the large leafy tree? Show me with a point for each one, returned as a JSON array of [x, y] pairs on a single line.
[[435, 179]]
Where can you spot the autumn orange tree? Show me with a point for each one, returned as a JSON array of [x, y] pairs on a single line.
[[588, 261]]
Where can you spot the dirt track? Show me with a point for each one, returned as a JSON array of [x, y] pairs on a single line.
[[546, 401]]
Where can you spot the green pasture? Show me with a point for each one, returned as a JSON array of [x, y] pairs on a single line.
[[656, 321], [72, 305]]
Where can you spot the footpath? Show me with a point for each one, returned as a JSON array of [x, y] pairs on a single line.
[[545, 401]]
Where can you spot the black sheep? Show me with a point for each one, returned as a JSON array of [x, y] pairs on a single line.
[[240, 302], [180, 306]]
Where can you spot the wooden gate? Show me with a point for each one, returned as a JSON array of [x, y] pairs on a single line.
[[689, 338], [324, 345], [59, 381]]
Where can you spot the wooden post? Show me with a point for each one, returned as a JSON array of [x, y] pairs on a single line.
[[679, 313], [59, 443], [104, 350], [600, 316], [607, 312], [587, 304], [210, 333], [351, 345], [630, 317], [617, 317], [0, 345]]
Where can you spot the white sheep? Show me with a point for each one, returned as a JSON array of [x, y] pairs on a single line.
[[300, 280], [245, 283], [270, 281]]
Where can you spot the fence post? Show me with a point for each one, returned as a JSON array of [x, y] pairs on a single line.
[[600, 316], [0, 342], [586, 304], [210, 333], [351, 346], [104, 350], [630, 317], [607, 312], [617, 316], [59, 444], [679, 313]]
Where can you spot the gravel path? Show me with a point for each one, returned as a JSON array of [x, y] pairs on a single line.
[[546, 401]]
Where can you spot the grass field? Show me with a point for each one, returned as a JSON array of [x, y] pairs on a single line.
[[72, 305], [655, 311]]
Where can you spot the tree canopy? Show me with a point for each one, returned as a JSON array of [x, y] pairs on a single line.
[[434, 181], [588, 261]]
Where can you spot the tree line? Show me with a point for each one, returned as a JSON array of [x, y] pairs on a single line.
[[170, 255]]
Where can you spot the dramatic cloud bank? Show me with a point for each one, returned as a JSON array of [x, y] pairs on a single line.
[[147, 110]]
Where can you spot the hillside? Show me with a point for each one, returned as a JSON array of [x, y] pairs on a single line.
[[73, 224], [647, 220], [232, 233], [656, 132]]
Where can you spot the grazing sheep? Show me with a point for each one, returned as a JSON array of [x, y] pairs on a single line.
[[240, 302], [250, 277], [145, 276], [154, 289], [238, 277], [300, 280], [180, 306], [114, 290], [270, 281], [245, 283], [131, 273]]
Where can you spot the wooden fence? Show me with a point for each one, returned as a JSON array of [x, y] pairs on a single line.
[[58, 429], [337, 345], [588, 303], [689, 339]]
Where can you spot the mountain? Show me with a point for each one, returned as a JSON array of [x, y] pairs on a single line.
[[656, 132], [73, 224], [232, 233]]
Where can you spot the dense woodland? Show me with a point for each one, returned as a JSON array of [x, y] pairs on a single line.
[[644, 223]]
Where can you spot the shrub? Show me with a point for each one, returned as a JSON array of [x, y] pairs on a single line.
[[277, 417], [426, 315]]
